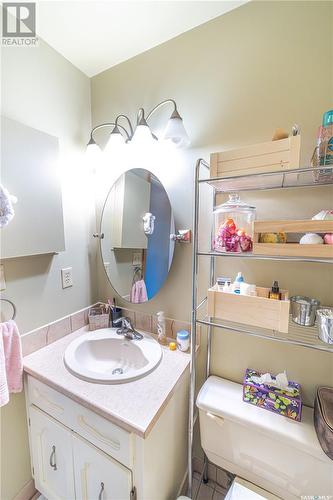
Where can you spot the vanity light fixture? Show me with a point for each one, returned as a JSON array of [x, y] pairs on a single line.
[[92, 147], [174, 131], [116, 139]]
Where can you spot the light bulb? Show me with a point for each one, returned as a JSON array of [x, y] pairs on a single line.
[[93, 155], [175, 131], [142, 135], [115, 141], [93, 151]]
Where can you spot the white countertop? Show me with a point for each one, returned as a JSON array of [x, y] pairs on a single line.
[[134, 406]]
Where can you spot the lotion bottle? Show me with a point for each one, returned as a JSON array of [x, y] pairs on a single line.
[[161, 328], [239, 279]]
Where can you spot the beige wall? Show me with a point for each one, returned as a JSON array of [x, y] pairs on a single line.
[[237, 78], [43, 90]]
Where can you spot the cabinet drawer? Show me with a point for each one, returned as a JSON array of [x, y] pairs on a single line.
[[105, 435], [110, 438], [52, 402]]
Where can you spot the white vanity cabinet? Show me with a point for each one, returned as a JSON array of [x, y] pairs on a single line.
[[68, 467], [77, 454]]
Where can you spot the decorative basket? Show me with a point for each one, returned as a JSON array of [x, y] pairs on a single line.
[[271, 156], [99, 317], [256, 311]]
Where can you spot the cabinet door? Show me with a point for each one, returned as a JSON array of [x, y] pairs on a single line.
[[98, 476], [52, 456]]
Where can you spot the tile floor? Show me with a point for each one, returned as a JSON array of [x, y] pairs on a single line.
[[209, 491], [216, 488]]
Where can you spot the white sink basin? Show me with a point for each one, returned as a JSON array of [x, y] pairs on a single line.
[[104, 357]]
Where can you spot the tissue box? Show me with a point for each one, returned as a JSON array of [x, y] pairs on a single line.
[[281, 401]]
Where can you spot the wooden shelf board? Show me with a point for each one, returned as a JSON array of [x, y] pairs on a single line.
[[293, 226], [293, 250]]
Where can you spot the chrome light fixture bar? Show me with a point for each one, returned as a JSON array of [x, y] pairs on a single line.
[[174, 131]]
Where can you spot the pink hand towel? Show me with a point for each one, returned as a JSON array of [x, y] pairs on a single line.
[[12, 353], [139, 292], [4, 393]]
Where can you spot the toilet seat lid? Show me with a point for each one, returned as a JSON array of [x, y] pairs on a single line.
[[243, 490]]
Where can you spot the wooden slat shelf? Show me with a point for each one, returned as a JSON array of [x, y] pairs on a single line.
[[258, 311], [294, 226], [283, 154], [293, 249]]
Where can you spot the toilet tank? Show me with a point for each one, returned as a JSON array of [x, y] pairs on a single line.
[[278, 454]]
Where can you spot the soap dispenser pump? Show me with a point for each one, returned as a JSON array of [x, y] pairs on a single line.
[[161, 328]]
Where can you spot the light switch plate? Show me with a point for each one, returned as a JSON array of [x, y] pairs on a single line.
[[66, 277]]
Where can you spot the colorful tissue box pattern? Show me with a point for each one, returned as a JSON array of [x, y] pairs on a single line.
[[286, 403]]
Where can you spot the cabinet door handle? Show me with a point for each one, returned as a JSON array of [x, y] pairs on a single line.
[[100, 496], [53, 462]]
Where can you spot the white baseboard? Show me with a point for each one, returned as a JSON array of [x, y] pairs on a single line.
[[27, 492]]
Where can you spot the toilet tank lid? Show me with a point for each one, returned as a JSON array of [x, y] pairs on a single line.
[[223, 398]]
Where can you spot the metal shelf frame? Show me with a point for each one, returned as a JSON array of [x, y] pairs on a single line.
[[299, 178], [253, 256]]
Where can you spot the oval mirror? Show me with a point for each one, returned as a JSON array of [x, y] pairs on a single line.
[[136, 249]]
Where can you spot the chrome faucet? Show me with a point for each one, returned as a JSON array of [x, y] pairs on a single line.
[[127, 329]]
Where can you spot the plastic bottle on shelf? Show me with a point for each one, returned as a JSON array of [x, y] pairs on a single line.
[[325, 142], [238, 280]]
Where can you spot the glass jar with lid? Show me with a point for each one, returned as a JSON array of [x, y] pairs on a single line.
[[233, 226]]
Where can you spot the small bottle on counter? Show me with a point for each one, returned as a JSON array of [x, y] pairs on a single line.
[[183, 340], [172, 346], [161, 328], [275, 292]]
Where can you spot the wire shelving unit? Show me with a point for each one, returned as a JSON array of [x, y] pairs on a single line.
[[297, 335]]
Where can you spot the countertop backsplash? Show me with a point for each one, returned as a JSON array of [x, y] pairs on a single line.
[[47, 334]]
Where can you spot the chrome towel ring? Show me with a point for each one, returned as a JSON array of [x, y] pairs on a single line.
[[12, 304]]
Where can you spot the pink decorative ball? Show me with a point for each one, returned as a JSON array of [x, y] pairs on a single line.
[[328, 239]]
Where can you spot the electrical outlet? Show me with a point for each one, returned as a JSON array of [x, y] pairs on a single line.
[[66, 277]]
